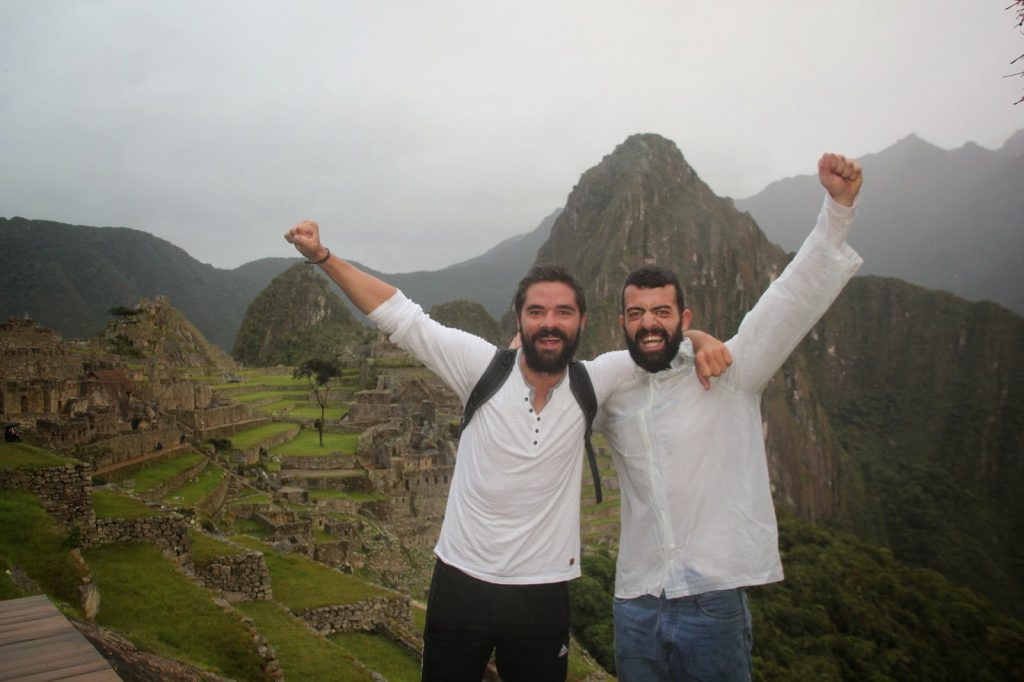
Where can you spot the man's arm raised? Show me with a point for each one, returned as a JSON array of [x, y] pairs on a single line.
[[364, 290], [841, 176]]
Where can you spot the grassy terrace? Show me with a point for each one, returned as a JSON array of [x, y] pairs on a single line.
[[109, 504], [301, 583], [205, 547], [155, 474], [198, 489], [25, 456], [307, 442], [29, 540], [312, 411], [380, 654], [303, 654], [140, 588], [244, 440]]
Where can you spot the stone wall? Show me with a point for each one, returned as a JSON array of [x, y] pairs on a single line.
[[368, 616], [64, 491], [170, 533], [240, 577], [121, 448], [329, 462]]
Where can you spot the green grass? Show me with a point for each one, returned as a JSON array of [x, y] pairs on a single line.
[[109, 504], [31, 541], [278, 380], [25, 456], [303, 654], [419, 618], [380, 654], [313, 412], [205, 547], [153, 475], [281, 405], [198, 489], [307, 442], [162, 611], [301, 583], [243, 440]]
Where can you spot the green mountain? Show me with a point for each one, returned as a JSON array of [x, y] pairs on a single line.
[[297, 317], [900, 415], [66, 277], [471, 317]]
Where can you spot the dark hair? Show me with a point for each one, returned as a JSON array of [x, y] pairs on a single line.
[[549, 272], [654, 277]]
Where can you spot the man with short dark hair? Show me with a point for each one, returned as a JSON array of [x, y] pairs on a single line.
[[510, 537], [698, 523]]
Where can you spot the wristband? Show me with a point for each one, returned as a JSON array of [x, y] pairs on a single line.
[[321, 261]]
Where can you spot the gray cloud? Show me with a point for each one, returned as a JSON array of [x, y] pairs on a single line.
[[420, 134]]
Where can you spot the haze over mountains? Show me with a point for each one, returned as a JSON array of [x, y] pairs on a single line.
[[900, 417], [950, 220]]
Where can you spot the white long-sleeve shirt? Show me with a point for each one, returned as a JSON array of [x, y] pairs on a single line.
[[512, 515], [697, 510]]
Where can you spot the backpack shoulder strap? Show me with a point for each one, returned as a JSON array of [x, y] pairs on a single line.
[[488, 383], [583, 389]]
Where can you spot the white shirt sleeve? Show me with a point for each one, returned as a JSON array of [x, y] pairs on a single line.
[[795, 301], [458, 357]]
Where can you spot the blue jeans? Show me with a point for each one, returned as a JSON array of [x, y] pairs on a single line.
[[704, 637]]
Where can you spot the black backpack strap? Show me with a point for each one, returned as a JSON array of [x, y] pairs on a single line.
[[583, 390], [488, 383]]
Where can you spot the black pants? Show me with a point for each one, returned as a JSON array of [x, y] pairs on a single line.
[[526, 626]]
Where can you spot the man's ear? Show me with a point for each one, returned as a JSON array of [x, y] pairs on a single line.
[[622, 322], [583, 323], [685, 324]]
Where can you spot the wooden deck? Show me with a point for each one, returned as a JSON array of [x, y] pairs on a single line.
[[38, 643]]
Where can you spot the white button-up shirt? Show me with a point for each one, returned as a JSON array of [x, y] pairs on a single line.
[[512, 515], [697, 510]]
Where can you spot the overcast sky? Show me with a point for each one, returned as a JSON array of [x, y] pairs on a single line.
[[420, 134]]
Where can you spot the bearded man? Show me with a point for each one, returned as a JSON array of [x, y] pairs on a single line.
[[698, 524]]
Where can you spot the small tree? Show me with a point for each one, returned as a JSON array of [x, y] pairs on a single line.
[[318, 373]]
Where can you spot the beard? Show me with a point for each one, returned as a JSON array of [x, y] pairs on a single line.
[[549, 361], [654, 361]]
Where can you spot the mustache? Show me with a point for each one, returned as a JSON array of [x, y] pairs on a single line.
[[640, 333], [545, 332]]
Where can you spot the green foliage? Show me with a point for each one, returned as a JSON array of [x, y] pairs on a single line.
[[298, 315], [221, 444], [140, 588], [590, 607], [123, 312], [849, 611], [471, 317], [120, 344]]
